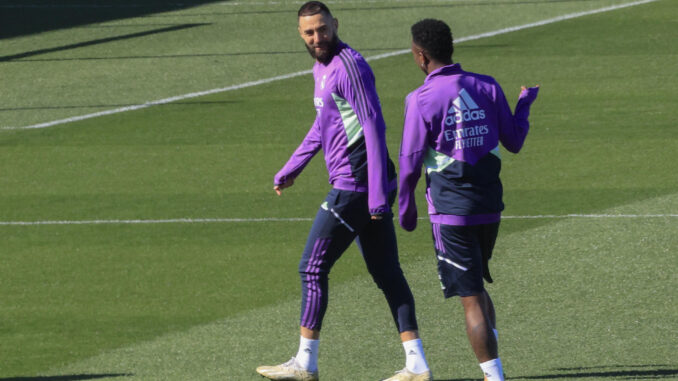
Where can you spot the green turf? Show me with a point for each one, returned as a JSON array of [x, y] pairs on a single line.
[[567, 311], [169, 301], [224, 45]]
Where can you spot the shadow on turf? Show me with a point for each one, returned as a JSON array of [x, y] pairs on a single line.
[[339, 8], [20, 17], [630, 372], [617, 372], [70, 377], [98, 41], [22, 57]]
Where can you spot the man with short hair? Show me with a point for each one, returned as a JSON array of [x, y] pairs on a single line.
[[350, 129], [453, 126]]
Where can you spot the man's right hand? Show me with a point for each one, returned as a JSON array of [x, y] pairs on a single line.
[[278, 188]]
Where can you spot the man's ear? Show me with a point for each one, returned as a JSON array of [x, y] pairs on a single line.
[[424, 57]]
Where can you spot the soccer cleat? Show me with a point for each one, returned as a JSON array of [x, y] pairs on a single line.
[[289, 371], [406, 375]]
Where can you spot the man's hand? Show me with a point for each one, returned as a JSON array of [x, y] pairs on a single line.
[[278, 188], [525, 89]]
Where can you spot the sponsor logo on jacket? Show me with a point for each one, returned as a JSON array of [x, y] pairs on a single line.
[[464, 109]]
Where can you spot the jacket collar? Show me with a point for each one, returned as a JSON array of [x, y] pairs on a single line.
[[445, 70]]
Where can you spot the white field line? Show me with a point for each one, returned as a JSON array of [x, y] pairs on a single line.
[[575, 215], [153, 221], [160, 102], [302, 219], [304, 72]]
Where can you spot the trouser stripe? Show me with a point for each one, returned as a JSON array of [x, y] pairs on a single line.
[[438, 239], [314, 294]]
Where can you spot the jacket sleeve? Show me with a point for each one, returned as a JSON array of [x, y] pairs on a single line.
[[301, 156], [513, 128], [359, 90], [412, 150]]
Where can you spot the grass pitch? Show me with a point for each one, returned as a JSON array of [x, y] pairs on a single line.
[[577, 298]]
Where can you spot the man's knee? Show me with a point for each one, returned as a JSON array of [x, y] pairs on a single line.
[[387, 278], [314, 260]]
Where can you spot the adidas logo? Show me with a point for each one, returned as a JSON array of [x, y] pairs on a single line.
[[464, 109], [412, 352]]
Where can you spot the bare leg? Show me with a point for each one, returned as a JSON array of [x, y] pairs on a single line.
[[479, 329], [488, 306], [312, 334], [409, 335]]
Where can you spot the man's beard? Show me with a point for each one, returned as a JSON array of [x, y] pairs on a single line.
[[327, 55]]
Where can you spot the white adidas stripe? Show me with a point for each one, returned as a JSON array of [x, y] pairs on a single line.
[[300, 219], [460, 267], [300, 73]]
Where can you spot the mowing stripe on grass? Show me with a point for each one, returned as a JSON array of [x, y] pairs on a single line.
[[295, 219], [304, 72], [537, 293]]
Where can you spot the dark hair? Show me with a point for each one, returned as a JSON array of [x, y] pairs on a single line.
[[313, 8], [435, 37]]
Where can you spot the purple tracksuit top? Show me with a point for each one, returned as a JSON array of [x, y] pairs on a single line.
[[350, 129], [453, 126]]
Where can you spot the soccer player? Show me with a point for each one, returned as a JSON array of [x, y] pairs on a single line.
[[350, 129], [453, 125]]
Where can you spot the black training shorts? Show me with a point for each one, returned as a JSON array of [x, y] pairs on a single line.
[[463, 253]]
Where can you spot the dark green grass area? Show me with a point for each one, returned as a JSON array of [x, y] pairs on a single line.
[[603, 136], [65, 298], [21, 19]]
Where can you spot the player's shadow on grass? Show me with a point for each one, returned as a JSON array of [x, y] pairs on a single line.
[[70, 377], [617, 372]]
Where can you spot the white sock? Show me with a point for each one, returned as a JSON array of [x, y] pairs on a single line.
[[307, 356], [415, 361], [493, 370]]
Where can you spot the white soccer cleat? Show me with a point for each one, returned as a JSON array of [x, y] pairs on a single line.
[[406, 375], [289, 371]]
